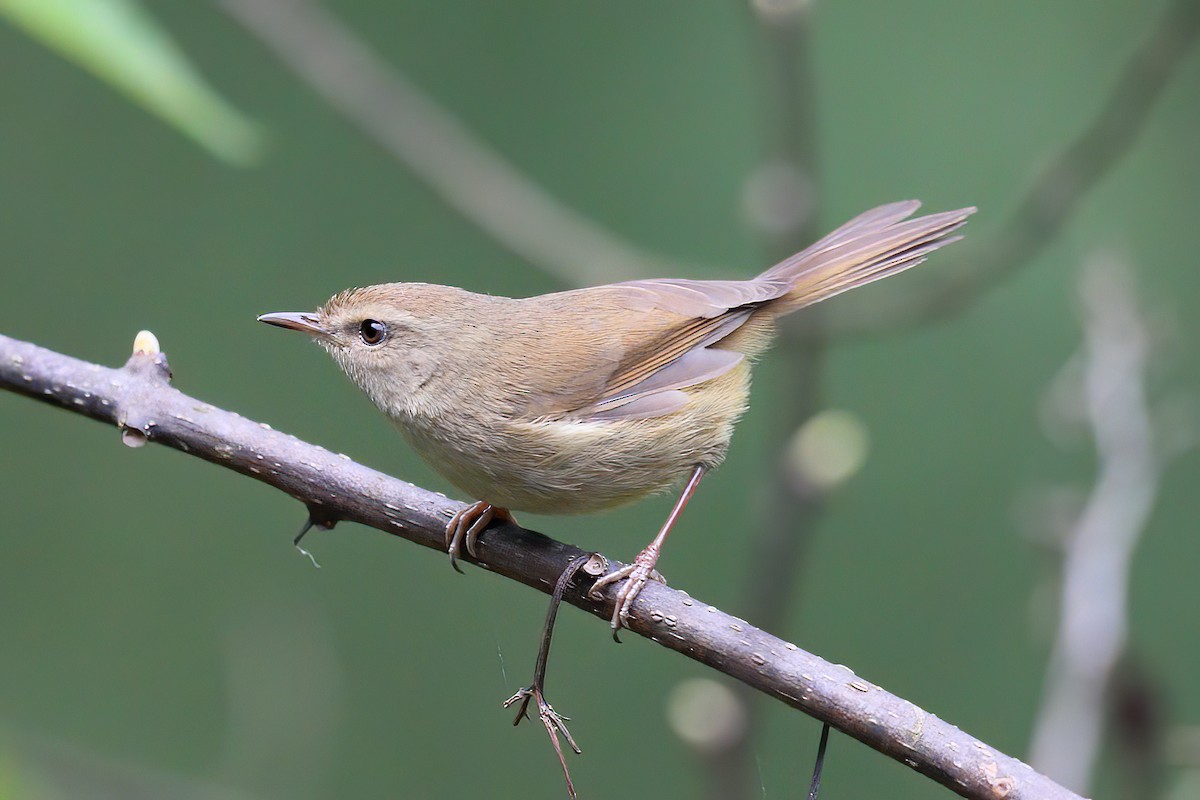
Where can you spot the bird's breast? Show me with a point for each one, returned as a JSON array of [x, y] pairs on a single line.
[[578, 466]]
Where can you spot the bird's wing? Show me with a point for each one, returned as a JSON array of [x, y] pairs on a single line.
[[666, 335], [661, 336]]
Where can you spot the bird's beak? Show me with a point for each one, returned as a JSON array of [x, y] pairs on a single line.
[[306, 322]]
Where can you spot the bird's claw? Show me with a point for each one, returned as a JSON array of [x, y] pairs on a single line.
[[635, 575], [464, 528]]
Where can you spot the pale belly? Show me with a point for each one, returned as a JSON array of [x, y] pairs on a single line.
[[573, 467]]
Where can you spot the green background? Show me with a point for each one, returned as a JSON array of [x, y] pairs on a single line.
[[156, 627]]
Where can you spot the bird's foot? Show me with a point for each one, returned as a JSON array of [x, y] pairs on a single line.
[[464, 528], [635, 576]]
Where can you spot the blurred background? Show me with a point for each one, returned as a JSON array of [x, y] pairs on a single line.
[[925, 466]]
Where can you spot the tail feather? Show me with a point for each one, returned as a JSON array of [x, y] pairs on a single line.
[[874, 219], [873, 245]]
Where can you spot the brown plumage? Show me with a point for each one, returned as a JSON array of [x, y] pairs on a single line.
[[587, 399]]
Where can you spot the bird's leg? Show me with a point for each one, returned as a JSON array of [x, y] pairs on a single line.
[[464, 528], [642, 568]]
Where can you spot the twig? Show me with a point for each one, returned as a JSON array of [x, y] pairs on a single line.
[[139, 399], [814, 785], [554, 722], [428, 140], [1098, 554], [1055, 194]]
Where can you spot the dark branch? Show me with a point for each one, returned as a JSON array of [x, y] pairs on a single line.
[[139, 399], [554, 722]]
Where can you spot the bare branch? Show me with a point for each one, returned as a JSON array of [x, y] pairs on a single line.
[[138, 399], [1094, 613], [465, 172]]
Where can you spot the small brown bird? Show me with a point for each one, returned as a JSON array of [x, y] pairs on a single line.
[[588, 399]]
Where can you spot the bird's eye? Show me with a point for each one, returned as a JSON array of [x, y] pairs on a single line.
[[372, 331]]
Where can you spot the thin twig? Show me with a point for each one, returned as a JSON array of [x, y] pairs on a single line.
[[140, 401], [814, 785], [554, 722], [428, 140], [1098, 555]]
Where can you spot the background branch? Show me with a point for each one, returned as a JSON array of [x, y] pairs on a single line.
[[1098, 550], [432, 143], [138, 399], [1059, 189], [791, 509], [523, 217], [782, 202]]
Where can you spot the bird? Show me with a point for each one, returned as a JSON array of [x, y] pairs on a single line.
[[588, 399]]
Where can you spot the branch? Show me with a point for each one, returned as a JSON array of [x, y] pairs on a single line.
[[1098, 556], [428, 140], [140, 401]]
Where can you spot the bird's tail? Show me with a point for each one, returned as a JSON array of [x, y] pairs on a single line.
[[873, 245]]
